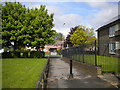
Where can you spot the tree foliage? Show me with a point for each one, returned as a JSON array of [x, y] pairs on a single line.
[[67, 40], [82, 35], [12, 24], [59, 36], [26, 27], [79, 35], [41, 25]]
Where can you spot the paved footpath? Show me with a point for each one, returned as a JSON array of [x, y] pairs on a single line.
[[83, 77]]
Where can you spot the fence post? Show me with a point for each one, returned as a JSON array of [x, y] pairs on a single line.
[[71, 74], [83, 57], [95, 55]]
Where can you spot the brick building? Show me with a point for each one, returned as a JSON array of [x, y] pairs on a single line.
[[109, 38]]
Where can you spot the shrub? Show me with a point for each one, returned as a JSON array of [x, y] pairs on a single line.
[[24, 53], [16, 54], [59, 51], [37, 54], [7, 55]]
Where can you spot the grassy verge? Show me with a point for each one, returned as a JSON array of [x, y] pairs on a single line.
[[0, 74], [21, 72], [109, 64], [47, 53]]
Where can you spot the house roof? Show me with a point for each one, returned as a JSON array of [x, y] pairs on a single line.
[[113, 20], [59, 42]]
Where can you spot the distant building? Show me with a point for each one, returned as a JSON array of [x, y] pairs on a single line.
[[109, 38], [57, 45]]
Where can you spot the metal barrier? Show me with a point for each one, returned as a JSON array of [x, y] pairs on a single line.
[[91, 54], [41, 84]]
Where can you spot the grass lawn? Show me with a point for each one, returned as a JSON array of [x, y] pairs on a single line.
[[21, 72], [0, 74], [47, 53], [109, 64]]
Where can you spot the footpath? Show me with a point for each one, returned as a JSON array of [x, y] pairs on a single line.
[[83, 77]]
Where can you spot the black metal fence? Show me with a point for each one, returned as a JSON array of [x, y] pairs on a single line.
[[41, 84], [97, 54]]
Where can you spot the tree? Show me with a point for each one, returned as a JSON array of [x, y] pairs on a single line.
[[67, 40], [82, 35], [41, 24], [0, 25], [26, 27], [13, 29], [59, 36]]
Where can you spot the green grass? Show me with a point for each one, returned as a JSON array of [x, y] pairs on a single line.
[[47, 53], [109, 64], [0, 74], [21, 72]]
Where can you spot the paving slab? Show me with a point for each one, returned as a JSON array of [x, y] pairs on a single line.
[[82, 77]]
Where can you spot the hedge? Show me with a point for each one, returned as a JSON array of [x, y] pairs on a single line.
[[7, 55], [37, 54], [23, 54]]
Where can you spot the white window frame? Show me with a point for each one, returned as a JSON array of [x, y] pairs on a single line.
[[113, 29], [112, 47], [117, 44], [116, 27]]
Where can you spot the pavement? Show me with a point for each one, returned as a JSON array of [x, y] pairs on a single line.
[[83, 76]]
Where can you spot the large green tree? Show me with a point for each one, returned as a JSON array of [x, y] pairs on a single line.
[[82, 35], [26, 27], [41, 24], [13, 29]]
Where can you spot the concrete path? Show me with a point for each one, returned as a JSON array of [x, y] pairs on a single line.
[[83, 77]]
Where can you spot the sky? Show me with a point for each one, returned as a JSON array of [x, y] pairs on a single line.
[[90, 13]]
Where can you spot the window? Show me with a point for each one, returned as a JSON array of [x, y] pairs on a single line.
[[112, 47], [118, 45], [112, 30], [116, 27]]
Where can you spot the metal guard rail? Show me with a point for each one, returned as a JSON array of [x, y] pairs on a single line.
[[41, 84]]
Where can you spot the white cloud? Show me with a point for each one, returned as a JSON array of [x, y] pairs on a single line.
[[62, 30], [51, 8], [106, 13], [65, 22], [68, 19], [54, 9]]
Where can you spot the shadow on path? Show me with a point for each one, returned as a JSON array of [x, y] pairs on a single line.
[[83, 77]]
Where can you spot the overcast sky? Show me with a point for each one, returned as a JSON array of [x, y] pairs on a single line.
[[77, 12]]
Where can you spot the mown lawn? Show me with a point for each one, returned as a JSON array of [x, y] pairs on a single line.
[[47, 53], [21, 72], [0, 73], [109, 64]]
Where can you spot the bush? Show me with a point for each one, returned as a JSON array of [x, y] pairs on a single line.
[[16, 54], [7, 55], [24, 53], [59, 51], [37, 54]]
